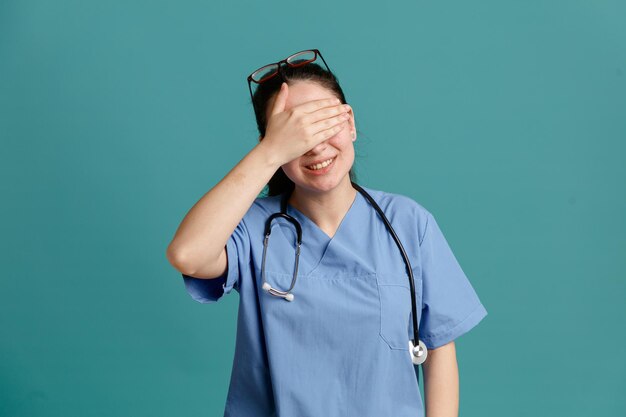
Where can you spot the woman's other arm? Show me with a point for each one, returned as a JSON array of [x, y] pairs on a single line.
[[441, 382]]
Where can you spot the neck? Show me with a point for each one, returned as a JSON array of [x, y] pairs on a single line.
[[325, 208]]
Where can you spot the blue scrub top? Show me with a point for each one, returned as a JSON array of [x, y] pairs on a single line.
[[340, 348]]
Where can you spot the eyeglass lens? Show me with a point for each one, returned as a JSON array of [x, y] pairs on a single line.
[[295, 60]]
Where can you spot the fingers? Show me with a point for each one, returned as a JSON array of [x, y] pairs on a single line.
[[331, 131], [331, 125], [329, 121], [281, 99], [328, 112], [321, 122], [313, 105]]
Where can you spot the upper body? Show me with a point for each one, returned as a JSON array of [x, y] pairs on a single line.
[[340, 348]]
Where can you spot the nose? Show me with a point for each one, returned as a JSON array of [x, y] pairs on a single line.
[[319, 148]]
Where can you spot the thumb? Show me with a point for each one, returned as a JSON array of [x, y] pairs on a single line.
[[281, 99]]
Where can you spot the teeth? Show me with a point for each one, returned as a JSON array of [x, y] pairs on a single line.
[[322, 165]]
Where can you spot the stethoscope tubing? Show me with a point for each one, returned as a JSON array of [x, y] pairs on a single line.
[[402, 251], [417, 348]]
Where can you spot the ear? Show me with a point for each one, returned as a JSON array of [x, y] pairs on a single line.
[[352, 125]]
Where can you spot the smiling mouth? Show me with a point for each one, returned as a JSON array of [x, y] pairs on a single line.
[[321, 164]]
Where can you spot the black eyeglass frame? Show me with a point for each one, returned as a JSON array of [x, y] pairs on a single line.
[[279, 70]]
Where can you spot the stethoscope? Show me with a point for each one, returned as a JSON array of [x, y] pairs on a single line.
[[418, 352]]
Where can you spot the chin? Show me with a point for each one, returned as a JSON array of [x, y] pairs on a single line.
[[321, 184], [321, 188]]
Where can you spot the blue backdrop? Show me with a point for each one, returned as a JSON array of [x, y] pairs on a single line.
[[505, 119]]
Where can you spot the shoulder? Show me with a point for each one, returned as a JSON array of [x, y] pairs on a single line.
[[401, 209], [397, 203], [261, 209]]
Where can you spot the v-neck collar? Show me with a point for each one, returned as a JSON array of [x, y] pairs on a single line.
[[302, 217], [315, 242], [344, 253]]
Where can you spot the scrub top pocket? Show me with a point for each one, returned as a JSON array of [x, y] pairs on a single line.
[[395, 308]]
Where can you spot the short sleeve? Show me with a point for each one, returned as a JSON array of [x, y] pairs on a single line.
[[238, 254], [450, 306]]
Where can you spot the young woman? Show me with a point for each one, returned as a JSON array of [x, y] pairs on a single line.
[[326, 311]]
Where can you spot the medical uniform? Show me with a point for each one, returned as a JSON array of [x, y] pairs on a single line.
[[340, 348]]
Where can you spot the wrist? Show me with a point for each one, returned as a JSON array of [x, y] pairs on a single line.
[[269, 156]]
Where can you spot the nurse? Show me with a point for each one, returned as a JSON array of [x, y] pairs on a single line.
[[340, 347]]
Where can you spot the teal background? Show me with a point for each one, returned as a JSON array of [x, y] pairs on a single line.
[[505, 119]]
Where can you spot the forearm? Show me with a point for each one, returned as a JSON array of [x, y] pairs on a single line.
[[441, 382], [203, 233]]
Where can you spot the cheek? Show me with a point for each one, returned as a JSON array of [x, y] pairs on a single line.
[[290, 167], [342, 141]]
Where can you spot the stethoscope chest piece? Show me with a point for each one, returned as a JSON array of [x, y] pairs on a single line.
[[418, 353]]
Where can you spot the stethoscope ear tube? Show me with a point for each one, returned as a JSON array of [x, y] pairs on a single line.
[[268, 225], [287, 295]]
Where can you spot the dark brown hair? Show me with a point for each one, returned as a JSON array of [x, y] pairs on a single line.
[[280, 183]]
